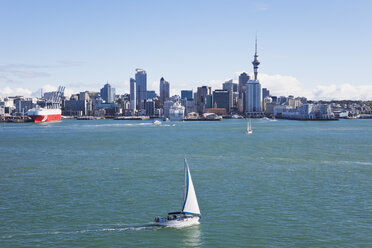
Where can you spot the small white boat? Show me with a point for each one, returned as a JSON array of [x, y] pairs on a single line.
[[249, 127], [156, 122], [190, 213]]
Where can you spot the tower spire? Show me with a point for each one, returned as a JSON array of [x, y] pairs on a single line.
[[255, 62]]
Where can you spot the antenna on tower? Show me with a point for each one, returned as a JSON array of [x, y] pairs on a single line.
[[256, 45]]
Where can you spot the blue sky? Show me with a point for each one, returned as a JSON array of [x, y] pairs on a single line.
[[318, 49]]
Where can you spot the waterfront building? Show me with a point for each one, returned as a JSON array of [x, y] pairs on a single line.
[[164, 91], [267, 100], [293, 102], [150, 108], [84, 96], [201, 100], [282, 99], [221, 99], [186, 94], [253, 93], [176, 112], [243, 80], [190, 106], [167, 105], [75, 107], [209, 101], [133, 94], [217, 111], [151, 94], [229, 86], [125, 104], [265, 93], [254, 97], [235, 87], [108, 93], [22, 105], [141, 88], [2, 110], [306, 111]]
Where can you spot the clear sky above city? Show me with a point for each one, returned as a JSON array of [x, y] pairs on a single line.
[[316, 49]]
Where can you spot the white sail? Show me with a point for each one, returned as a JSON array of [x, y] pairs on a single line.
[[190, 205]]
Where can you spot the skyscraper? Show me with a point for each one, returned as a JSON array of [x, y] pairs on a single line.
[[242, 89], [221, 99], [201, 99], [108, 93], [243, 80], [229, 86], [253, 95], [164, 91], [133, 93], [186, 94], [141, 88], [265, 93]]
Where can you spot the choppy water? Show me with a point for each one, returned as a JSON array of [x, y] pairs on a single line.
[[100, 183]]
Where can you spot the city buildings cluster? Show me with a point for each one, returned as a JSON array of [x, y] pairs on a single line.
[[246, 98]]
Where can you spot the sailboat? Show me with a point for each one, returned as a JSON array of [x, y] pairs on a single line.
[[190, 213], [249, 127]]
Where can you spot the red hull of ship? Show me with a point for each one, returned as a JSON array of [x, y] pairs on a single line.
[[45, 118]]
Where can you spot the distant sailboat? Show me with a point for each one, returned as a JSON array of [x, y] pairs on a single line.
[[190, 213], [249, 127]]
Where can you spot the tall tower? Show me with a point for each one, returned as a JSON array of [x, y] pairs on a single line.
[[141, 85], [106, 93], [164, 91], [133, 92], [254, 93], [255, 62]]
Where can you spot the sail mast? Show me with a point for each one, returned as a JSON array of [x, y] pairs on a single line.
[[186, 186]]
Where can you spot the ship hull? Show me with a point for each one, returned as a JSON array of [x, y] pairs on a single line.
[[45, 118], [45, 115]]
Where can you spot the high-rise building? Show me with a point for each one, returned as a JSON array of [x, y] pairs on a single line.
[[108, 93], [150, 108], [253, 95], [201, 99], [186, 94], [133, 94], [221, 99], [243, 80], [229, 86], [242, 89], [235, 87], [151, 94], [164, 91], [141, 88], [265, 93]]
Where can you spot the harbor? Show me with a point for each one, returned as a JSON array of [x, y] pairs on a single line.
[[78, 183]]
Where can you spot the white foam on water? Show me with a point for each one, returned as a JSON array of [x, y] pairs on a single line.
[[118, 229]]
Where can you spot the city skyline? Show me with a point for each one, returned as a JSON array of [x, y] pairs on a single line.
[[306, 49]]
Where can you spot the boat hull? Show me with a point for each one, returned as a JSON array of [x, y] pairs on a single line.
[[45, 118], [45, 115], [179, 222]]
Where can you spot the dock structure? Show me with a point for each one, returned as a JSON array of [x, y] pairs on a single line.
[[132, 118]]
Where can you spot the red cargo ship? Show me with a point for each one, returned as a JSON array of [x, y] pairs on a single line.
[[45, 114]]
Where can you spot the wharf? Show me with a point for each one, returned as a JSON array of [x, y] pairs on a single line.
[[16, 119], [300, 119], [202, 119], [132, 118], [88, 118]]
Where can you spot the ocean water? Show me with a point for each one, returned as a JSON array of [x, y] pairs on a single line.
[[101, 183]]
